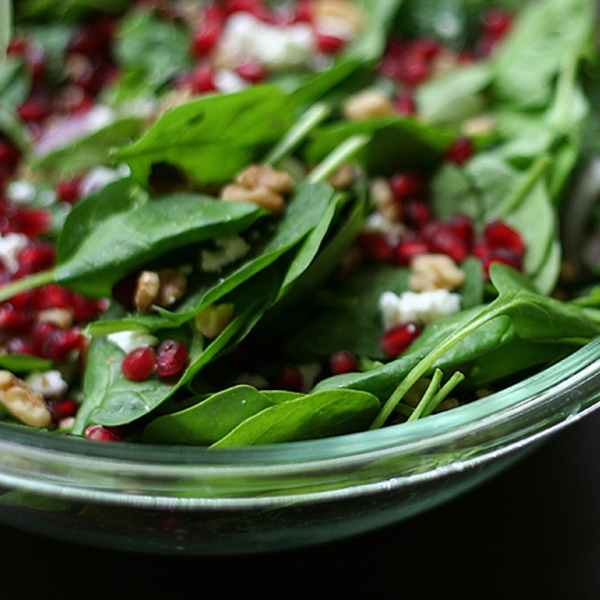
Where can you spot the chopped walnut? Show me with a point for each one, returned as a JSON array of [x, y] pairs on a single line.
[[434, 272], [382, 197], [61, 317], [22, 402], [160, 288], [256, 176], [367, 104], [337, 16], [342, 178], [264, 197]]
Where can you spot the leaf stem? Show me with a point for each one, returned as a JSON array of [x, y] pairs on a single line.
[[538, 168], [27, 283], [309, 120], [431, 391], [494, 309], [337, 158]]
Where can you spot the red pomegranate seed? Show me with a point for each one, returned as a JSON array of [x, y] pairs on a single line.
[[443, 240], [426, 48], [69, 190], [35, 109], [498, 234], [375, 246], [412, 69], [303, 13], [84, 309], [252, 71], [40, 332], [36, 256], [496, 22], [343, 361], [98, 433], [254, 7], [16, 321], [501, 255], [462, 226], [29, 221], [206, 36], [405, 103], [290, 379], [201, 79], [23, 300], [407, 249], [417, 214], [62, 409], [407, 185], [21, 345], [59, 344], [460, 151], [399, 337], [329, 44], [139, 363], [53, 296], [171, 358]]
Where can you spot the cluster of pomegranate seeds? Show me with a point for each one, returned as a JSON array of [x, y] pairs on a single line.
[[343, 361], [169, 360]]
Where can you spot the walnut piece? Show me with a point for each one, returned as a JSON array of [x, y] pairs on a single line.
[[211, 321], [434, 272], [264, 197], [256, 176], [22, 402], [161, 288], [367, 104]]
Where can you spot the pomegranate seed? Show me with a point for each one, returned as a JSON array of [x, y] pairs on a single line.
[[425, 48], [343, 361], [53, 296], [40, 332], [407, 249], [254, 7], [98, 433], [496, 22], [329, 44], [501, 255], [498, 234], [290, 379], [21, 345], [443, 240], [460, 151], [29, 221], [252, 71], [413, 69], [69, 190], [84, 309], [462, 226], [406, 185], [62, 409], [171, 358], [417, 214], [201, 79], [15, 320], [59, 344], [303, 12], [405, 103], [23, 300], [36, 256], [139, 363], [205, 38], [375, 246], [35, 109], [399, 337]]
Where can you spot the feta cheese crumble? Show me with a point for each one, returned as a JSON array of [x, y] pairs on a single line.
[[228, 250], [421, 307], [11, 246], [49, 384], [130, 340]]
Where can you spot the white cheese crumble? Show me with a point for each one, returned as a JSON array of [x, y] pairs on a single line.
[[423, 307], [377, 223], [247, 38], [130, 340], [229, 82], [49, 384], [228, 250], [11, 246]]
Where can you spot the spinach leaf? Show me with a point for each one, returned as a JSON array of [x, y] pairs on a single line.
[[213, 137], [545, 39], [322, 414], [209, 420], [121, 227]]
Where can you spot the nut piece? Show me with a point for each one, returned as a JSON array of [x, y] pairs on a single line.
[[367, 104], [382, 197], [269, 200], [211, 321], [434, 272], [61, 317], [256, 176], [160, 288], [342, 178], [338, 17], [22, 402]]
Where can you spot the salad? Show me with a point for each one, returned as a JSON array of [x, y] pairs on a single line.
[[240, 222]]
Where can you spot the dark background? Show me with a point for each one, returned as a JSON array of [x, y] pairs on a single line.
[[533, 532]]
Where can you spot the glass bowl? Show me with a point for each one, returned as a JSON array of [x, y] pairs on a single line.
[[190, 500]]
